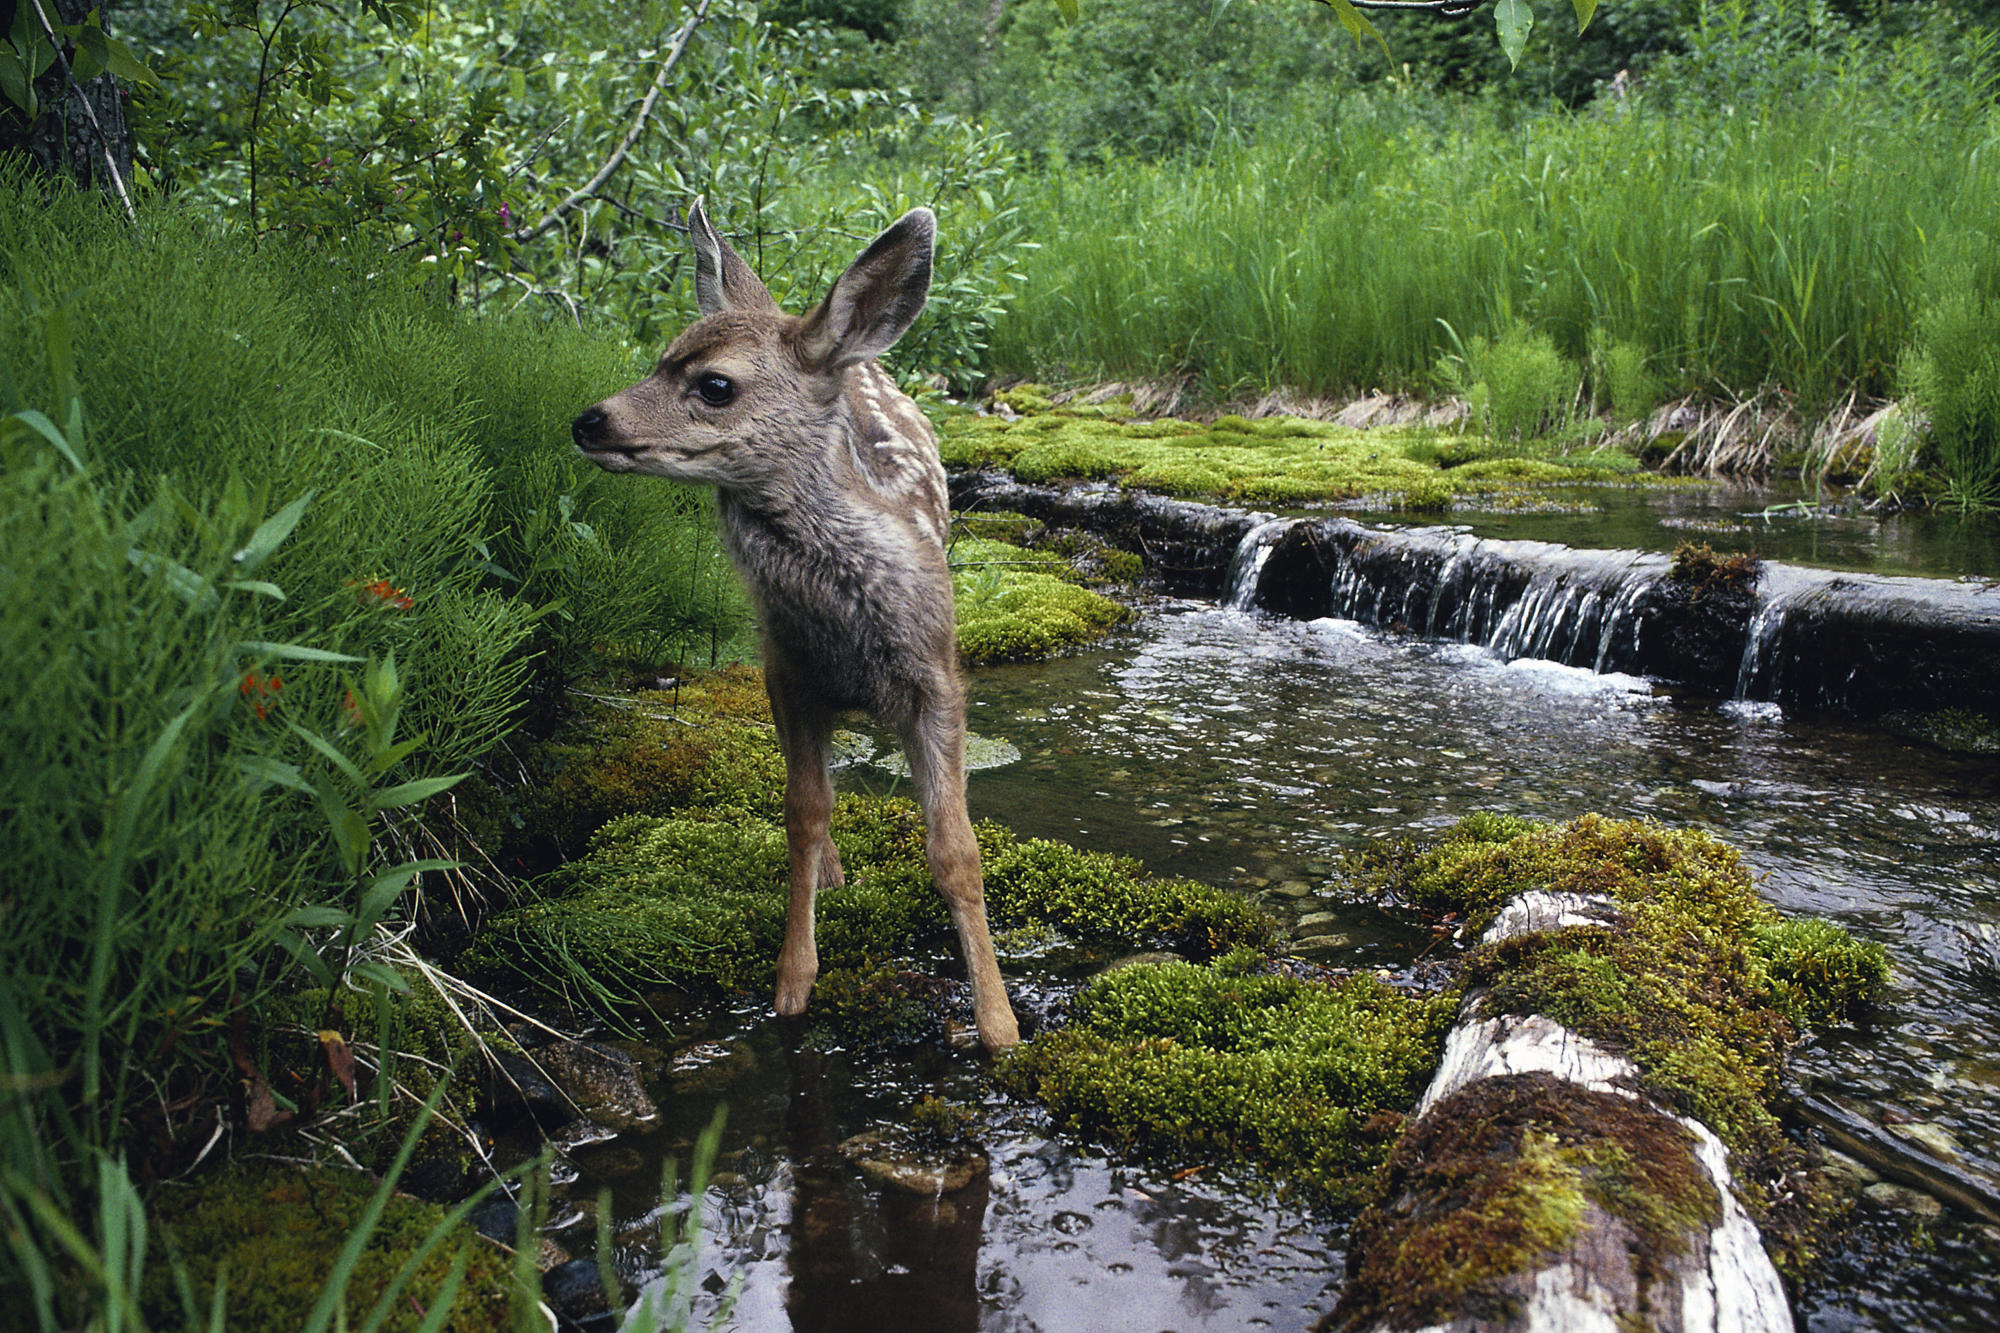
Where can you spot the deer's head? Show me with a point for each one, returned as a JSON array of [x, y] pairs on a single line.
[[747, 392]]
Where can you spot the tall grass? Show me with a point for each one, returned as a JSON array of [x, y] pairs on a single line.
[[226, 478], [1777, 242]]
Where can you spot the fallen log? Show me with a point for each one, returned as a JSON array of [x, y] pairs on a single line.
[[1540, 1188]]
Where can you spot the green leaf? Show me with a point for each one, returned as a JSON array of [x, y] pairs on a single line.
[[1357, 25], [409, 793], [324, 746], [271, 533], [125, 65], [1513, 18], [375, 900], [318, 916], [258, 586], [42, 426], [263, 768], [1067, 8], [305, 956], [15, 83], [382, 974], [1584, 10], [132, 803], [92, 53], [292, 652]]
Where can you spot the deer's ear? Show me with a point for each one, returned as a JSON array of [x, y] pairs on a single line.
[[877, 299], [722, 281]]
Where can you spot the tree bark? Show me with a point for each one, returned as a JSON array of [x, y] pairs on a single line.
[[62, 140], [1483, 1228]]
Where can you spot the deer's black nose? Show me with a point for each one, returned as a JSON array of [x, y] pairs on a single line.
[[588, 428]]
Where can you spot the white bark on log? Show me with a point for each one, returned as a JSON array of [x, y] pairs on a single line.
[[1721, 1282]]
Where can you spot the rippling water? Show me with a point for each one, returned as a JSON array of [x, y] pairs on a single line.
[[1252, 750]]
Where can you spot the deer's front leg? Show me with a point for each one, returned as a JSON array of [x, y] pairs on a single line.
[[935, 744], [813, 862]]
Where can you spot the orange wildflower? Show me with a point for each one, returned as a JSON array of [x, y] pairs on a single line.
[[261, 690], [384, 593]]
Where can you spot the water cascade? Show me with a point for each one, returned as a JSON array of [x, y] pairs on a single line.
[[1811, 640]]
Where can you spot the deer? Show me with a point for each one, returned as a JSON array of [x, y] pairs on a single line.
[[832, 506]]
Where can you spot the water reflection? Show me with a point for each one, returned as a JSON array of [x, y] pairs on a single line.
[[858, 1252], [1253, 751]]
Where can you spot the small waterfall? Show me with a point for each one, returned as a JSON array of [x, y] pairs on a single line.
[[1520, 599], [1577, 608], [1781, 589], [1239, 585]]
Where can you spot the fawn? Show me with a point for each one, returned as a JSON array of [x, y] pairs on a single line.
[[833, 507]]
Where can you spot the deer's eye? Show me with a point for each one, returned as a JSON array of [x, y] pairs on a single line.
[[715, 390]]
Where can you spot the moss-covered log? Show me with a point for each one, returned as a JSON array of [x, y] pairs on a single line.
[[1542, 1188]]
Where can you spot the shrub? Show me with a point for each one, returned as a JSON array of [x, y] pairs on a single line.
[[1519, 386]]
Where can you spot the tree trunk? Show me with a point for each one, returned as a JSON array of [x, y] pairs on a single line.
[[80, 131]]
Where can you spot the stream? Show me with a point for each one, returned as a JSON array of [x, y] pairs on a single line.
[[1252, 751]]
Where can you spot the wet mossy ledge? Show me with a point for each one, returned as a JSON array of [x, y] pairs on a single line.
[[696, 900], [1269, 461], [1659, 953], [1308, 1080], [1017, 604], [1304, 1080]]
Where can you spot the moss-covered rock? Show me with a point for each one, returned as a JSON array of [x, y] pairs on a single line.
[[706, 742], [1016, 604], [1107, 900], [1306, 1081], [1272, 460], [1506, 1173], [273, 1232]]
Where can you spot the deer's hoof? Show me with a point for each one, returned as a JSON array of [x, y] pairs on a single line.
[[795, 985], [999, 1032]]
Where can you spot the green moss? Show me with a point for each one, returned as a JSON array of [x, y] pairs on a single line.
[[1025, 398], [275, 1232], [1273, 460], [876, 1008], [1304, 1080], [1102, 899], [1699, 981], [937, 1123], [1819, 974], [708, 742], [1698, 568], [1016, 605], [1957, 729], [1501, 1177], [697, 900]]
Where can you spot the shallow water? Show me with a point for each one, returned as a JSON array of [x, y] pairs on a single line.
[[1781, 521], [1252, 751], [1247, 749], [1054, 1237]]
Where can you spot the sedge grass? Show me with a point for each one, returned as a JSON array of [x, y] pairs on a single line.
[[1786, 243]]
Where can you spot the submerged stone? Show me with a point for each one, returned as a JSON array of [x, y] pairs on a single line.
[[886, 1161]]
